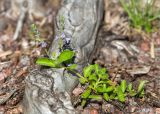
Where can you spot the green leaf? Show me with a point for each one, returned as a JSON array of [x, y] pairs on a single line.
[[103, 70], [113, 96], [92, 77], [132, 93], [121, 95], [83, 103], [129, 87], [82, 80], [104, 89], [96, 67], [111, 83], [103, 76], [109, 89], [87, 71], [100, 89], [141, 94], [123, 85], [86, 93], [141, 86], [65, 55], [47, 62], [106, 96], [102, 73], [103, 82], [96, 97], [92, 85], [72, 66]]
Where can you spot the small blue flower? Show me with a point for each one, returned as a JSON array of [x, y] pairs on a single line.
[[63, 35], [68, 40], [56, 37]]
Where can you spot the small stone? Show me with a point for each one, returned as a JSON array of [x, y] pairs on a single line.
[[77, 91]]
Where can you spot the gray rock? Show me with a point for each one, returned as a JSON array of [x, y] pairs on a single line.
[[82, 20], [45, 93]]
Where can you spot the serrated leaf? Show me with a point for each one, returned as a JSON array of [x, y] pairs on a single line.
[[141, 86], [47, 62], [123, 85], [87, 71], [121, 95], [96, 97], [86, 93], [65, 56], [106, 96]]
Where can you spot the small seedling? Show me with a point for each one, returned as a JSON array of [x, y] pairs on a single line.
[[141, 17], [35, 36]]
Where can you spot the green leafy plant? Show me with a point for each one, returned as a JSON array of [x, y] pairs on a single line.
[[93, 78], [141, 15], [99, 86], [58, 62]]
